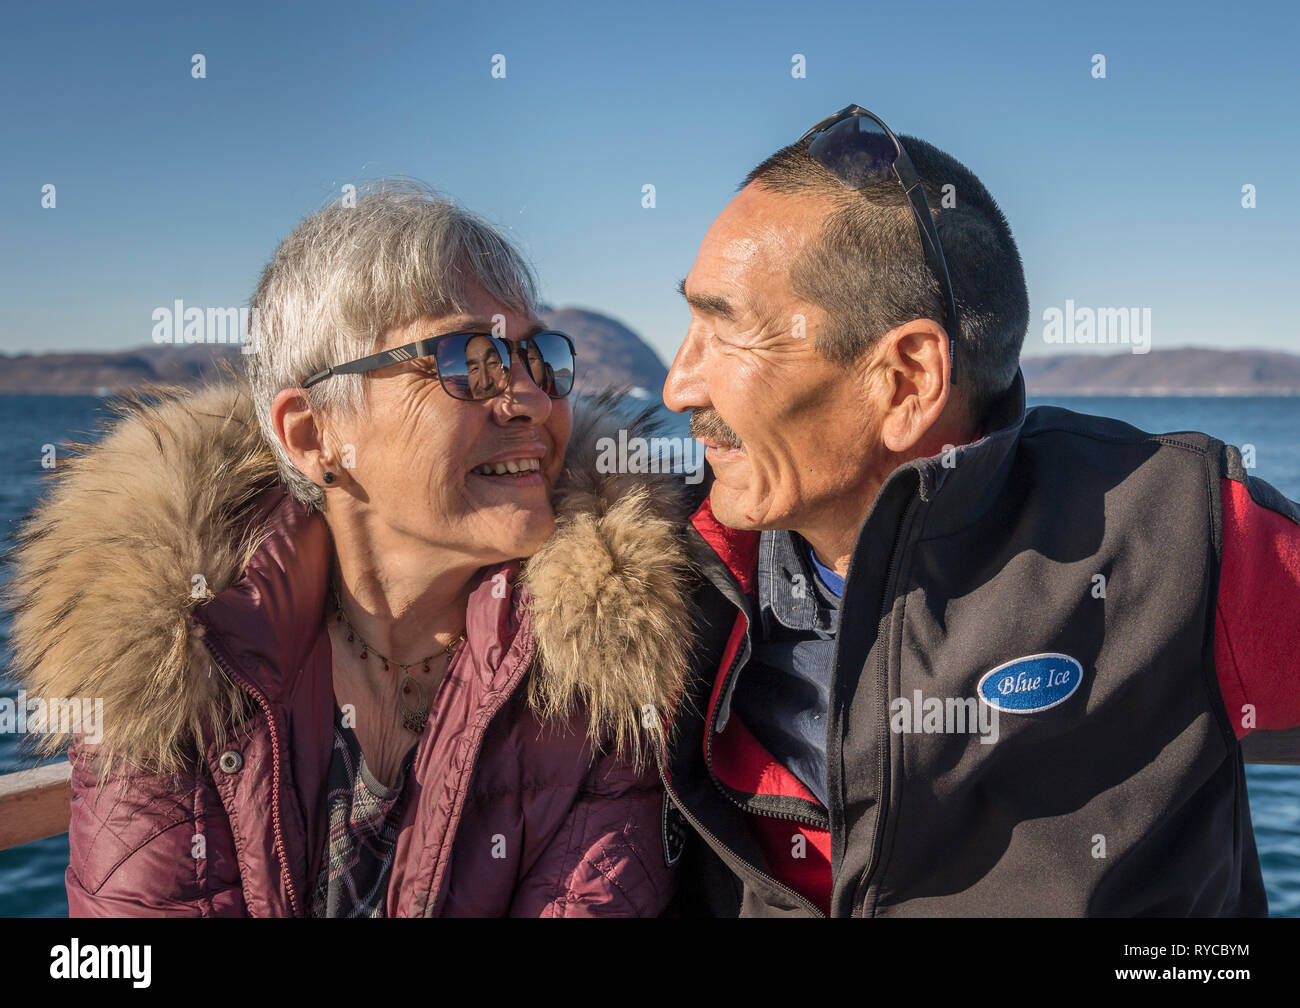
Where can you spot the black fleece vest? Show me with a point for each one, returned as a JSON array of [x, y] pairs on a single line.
[[1120, 790]]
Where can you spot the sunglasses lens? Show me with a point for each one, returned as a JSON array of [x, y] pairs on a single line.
[[856, 151], [551, 363], [475, 366]]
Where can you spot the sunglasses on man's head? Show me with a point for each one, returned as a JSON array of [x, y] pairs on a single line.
[[475, 365], [856, 147]]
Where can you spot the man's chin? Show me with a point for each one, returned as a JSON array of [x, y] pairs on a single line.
[[731, 511]]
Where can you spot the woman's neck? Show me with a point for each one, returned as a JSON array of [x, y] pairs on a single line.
[[406, 603]]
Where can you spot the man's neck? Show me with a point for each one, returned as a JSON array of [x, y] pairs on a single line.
[[833, 536], [834, 547]]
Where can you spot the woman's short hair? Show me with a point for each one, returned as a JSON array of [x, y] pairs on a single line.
[[393, 252]]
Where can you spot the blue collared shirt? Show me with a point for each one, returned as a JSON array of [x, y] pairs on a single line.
[[783, 692]]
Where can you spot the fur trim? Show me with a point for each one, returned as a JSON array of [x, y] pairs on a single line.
[[609, 596], [102, 587], [103, 570]]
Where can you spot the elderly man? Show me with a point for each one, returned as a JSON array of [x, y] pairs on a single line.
[[956, 658]]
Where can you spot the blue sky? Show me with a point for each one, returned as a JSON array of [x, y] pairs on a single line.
[[1121, 192]]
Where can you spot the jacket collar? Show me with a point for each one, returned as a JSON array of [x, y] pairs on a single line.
[[268, 619], [962, 487]]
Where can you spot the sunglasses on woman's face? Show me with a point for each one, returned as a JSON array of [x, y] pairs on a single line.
[[473, 366]]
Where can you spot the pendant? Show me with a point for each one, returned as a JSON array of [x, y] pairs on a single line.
[[413, 720]]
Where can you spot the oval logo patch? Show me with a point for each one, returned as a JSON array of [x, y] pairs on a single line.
[[1031, 684]]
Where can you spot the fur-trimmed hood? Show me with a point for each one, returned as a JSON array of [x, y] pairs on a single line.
[[103, 590]]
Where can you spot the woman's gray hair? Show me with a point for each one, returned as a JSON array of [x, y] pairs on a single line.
[[393, 252]]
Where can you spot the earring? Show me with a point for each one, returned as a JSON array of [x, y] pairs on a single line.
[[329, 477]]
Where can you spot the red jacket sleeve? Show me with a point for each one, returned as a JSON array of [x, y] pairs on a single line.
[[1257, 626]]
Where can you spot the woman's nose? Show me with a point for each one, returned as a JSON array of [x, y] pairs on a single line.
[[522, 395]]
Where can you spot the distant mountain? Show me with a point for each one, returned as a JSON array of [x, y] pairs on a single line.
[[89, 373], [1187, 371], [609, 353]]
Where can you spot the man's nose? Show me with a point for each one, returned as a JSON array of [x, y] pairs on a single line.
[[684, 387]]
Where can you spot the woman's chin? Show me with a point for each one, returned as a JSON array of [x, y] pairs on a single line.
[[521, 534]]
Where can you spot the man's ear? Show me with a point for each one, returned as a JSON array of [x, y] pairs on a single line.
[[914, 365], [296, 426]]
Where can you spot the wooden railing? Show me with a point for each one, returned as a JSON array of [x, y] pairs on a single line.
[[34, 803]]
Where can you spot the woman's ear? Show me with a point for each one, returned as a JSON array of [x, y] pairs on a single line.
[[296, 427], [916, 367]]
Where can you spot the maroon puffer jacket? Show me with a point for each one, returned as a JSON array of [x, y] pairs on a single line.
[[514, 808]]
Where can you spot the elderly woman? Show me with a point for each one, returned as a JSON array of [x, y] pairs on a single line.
[[329, 685]]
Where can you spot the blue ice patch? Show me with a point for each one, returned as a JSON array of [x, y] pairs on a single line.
[[1031, 684]]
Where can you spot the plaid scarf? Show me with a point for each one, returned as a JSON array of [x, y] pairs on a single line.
[[362, 836]]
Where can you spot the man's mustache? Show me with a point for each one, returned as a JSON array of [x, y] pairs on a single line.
[[708, 426]]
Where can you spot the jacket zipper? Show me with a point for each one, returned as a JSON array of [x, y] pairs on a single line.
[[882, 721], [708, 762], [285, 874], [779, 886], [715, 842]]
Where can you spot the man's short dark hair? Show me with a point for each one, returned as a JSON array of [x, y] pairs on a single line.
[[868, 272]]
